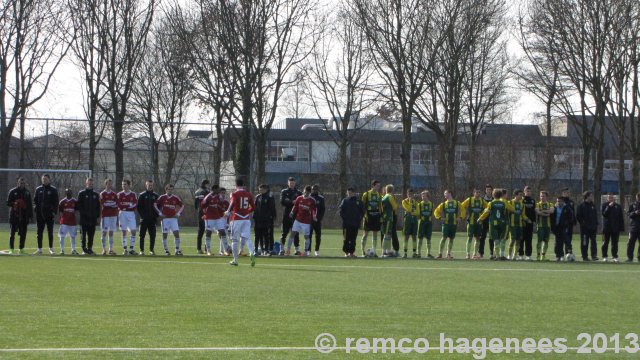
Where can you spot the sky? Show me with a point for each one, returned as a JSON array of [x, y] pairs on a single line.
[[65, 98]]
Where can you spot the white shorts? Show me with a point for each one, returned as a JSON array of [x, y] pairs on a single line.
[[67, 230], [127, 221], [216, 225], [170, 225], [301, 228], [240, 229], [109, 223]]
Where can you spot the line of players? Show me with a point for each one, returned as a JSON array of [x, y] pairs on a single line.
[[507, 223]]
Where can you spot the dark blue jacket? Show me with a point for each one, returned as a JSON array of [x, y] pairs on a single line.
[[587, 216], [351, 212]]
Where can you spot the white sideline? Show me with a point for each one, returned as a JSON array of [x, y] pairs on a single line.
[[277, 265], [255, 348]]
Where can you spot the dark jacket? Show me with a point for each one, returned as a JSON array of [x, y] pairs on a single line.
[[565, 223], [320, 208], [288, 197], [587, 216], [19, 202], [351, 212], [88, 206], [46, 201], [612, 218], [571, 204], [200, 194], [264, 213], [146, 210], [634, 218], [530, 208]]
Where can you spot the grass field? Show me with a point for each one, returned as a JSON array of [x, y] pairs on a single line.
[[200, 307]]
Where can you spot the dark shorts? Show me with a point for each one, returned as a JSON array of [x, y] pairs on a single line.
[[449, 231], [372, 222], [474, 230], [410, 226], [498, 231], [425, 229]]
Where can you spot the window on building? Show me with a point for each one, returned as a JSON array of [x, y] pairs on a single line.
[[288, 151], [421, 155], [462, 155]]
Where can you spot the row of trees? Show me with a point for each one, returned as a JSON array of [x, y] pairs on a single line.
[[439, 63]]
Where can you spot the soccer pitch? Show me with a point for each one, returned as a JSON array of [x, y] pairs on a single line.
[[200, 307]]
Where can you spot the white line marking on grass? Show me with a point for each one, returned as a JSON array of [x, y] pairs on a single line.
[[275, 265], [255, 348]]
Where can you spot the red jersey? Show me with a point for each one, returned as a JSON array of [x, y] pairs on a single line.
[[242, 205], [108, 203], [67, 209], [213, 207], [168, 205], [305, 209], [127, 202]]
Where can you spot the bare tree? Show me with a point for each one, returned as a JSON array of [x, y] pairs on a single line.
[[33, 43], [213, 85], [89, 55], [123, 26], [401, 37], [464, 25], [162, 95], [340, 81]]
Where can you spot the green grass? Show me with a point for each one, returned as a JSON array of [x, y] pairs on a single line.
[[196, 302]]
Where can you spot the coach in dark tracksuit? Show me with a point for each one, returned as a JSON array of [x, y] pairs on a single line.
[[20, 213], [46, 203], [316, 225], [88, 206], [264, 215], [288, 196], [148, 216], [200, 194], [634, 229], [612, 226], [561, 223], [351, 213], [527, 229], [566, 194], [587, 216]]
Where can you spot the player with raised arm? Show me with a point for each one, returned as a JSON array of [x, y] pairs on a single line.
[[127, 203], [544, 210], [239, 211], [410, 222], [471, 209], [170, 207], [213, 207], [67, 209], [109, 213], [449, 212], [425, 223], [304, 212], [497, 211]]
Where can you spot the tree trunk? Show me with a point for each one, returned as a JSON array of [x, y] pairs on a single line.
[[172, 153], [548, 148], [243, 146], [343, 177], [599, 166], [155, 154], [5, 139], [118, 149], [261, 149], [472, 165], [586, 159], [23, 120], [621, 177], [406, 151], [92, 145]]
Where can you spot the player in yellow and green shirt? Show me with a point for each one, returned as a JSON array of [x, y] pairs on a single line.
[[449, 213], [389, 207], [372, 203], [410, 223], [497, 211], [544, 210], [471, 208], [517, 220], [425, 222]]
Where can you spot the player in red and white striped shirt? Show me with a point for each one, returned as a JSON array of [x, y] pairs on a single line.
[[127, 203], [67, 210], [304, 210], [109, 213], [170, 207], [240, 210]]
